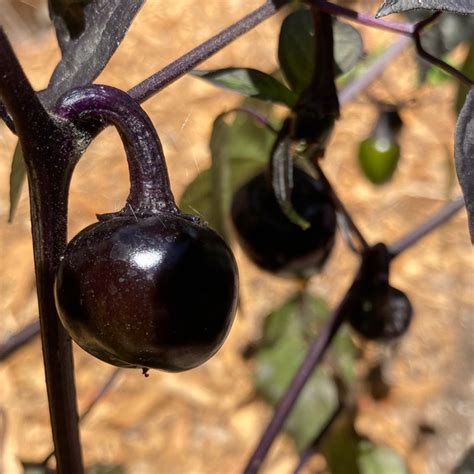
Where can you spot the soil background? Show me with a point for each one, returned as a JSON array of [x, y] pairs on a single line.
[[208, 420]]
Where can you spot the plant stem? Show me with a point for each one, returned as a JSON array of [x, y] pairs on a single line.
[[342, 209], [19, 339], [363, 18], [438, 219], [313, 447], [257, 116], [312, 359], [440, 63], [47, 149], [150, 190], [150, 86]]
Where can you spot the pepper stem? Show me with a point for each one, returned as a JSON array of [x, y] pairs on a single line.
[[150, 190]]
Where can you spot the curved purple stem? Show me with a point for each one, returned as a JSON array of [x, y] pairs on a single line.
[[150, 190]]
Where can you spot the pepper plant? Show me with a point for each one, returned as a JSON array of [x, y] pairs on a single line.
[[151, 246]]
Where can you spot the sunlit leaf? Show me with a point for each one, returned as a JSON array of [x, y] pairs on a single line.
[[242, 143]]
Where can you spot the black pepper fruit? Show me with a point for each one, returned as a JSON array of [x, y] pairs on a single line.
[[270, 239], [148, 286]]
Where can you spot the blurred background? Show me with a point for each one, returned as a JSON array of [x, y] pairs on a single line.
[[209, 419]]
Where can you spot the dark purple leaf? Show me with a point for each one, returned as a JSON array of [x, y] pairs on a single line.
[[464, 155], [397, 6], [88, 32]]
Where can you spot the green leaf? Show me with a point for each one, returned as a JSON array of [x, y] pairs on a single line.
[[250, 83], [379, 460], [296, 48], [241, 143], [221, 192], [17, 178], [197, 197], [285, 341], [345, 353], [299, 316], [340, 445], [275, 367]]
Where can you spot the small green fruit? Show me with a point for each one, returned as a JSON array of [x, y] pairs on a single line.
[[378, 159], [379, 153]]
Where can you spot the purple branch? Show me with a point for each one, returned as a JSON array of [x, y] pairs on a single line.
[[186, 63], [47, 150], [440, 218], [19, 339], [257, 116], [342, 209], [312, 359], [364, 19], [440, 63]]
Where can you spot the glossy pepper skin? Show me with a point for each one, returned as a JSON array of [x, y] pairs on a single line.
[[149, 292], [385, 313], [382, 312], [271, 240], [147, 286]]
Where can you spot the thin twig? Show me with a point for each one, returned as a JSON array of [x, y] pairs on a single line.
[[19, 339], [97, 398], [342, 209], [314, 445], [419, 27], [440, 63], [364, 19], [257, 116], [186, 63], [440, 218]]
